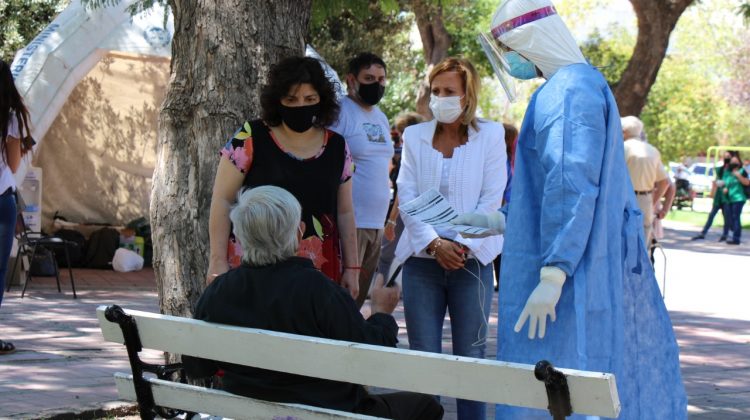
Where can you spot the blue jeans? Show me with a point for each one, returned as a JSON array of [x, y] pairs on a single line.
[[710, 221], [7, 232], [732, 213], [428, 292]]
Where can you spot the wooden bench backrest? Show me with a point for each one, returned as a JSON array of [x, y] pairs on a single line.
[[429, 373]]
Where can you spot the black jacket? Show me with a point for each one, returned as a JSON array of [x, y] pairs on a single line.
[[292, 297]]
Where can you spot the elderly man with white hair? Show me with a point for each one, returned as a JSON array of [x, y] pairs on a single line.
[[647, 174], [274, 289]]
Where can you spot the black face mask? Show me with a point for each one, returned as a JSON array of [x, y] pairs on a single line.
[[726, 161], [372, 93], [733, 166], [299, 118]]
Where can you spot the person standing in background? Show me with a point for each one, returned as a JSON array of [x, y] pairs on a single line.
[[16, 142], [647, 174], [717, 187], [290, 147], [462, 157], [393, 224], [511, 139], [733, 196], [367, 132]]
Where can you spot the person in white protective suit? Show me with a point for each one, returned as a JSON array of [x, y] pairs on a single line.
[[574, 250]]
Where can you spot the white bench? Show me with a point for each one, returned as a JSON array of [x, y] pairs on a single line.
[[590, 393]]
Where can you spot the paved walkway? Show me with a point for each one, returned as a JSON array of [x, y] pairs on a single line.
[[63, 366]]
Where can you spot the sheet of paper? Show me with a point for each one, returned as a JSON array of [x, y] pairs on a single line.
[[432, 208]]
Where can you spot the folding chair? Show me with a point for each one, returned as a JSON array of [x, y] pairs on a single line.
[[29, 242]]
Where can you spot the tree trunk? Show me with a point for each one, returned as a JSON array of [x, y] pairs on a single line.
[[656, 20], [435, 42], [221, 53]]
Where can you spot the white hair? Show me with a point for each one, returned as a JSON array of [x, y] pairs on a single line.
[[632, 127], [265, 223]]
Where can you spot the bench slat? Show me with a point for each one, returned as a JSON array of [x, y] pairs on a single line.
[[219, 403], [429, 373]]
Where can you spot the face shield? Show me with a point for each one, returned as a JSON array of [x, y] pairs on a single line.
[[496, 50]]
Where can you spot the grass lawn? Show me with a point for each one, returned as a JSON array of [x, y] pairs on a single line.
[[697, 218]]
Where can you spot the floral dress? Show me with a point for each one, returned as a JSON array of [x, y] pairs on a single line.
[[313, 181]]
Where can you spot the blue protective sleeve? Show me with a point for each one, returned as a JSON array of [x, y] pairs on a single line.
[[571, 127]]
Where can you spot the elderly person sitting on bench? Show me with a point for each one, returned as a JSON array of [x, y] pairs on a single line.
[[275, 290]]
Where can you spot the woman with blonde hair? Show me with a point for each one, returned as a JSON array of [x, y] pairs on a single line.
[[463, 157]]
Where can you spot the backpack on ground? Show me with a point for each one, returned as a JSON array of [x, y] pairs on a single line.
[[76, 248], [101, 248]]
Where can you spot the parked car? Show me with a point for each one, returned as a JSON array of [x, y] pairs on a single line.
[[702, 176]]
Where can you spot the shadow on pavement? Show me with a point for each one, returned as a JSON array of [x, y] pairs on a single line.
[[715, 364], [679, 235]]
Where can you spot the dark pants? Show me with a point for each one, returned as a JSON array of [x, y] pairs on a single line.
[[714, 209], [732, 213], [401, 406], [388, 250], [7, 231]]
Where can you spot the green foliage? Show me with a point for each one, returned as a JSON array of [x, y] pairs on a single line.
[[744, 11], [22, 20], [324, 10], [464, 20], [737, 86], [682, 116], [701, 97], [609, 56], [370, 26]]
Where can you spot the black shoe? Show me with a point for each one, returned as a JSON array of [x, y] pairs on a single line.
[[722, 239], [698, 236], [733, 242]]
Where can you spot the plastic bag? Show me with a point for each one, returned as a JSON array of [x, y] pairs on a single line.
[[126, 260]]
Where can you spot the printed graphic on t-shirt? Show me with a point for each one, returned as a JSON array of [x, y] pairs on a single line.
[[374, 133]]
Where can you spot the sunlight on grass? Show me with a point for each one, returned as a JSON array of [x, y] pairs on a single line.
[[697, 218]]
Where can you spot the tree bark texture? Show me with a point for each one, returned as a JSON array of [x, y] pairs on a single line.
[[221, 54], [435, 43], [656, 20]]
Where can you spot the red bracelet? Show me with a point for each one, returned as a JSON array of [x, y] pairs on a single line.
[[352, 268]]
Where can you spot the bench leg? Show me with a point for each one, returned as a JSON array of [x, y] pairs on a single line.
[[146, 404]]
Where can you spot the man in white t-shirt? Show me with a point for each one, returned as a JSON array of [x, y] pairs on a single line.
[[367, 132], [647, 174]]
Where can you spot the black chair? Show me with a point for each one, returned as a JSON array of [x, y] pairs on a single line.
[[28, 244]]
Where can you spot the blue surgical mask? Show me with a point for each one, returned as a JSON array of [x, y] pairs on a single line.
[[520, 67]]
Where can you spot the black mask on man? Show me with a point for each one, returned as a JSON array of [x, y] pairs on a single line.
[[371, 93], [299, 118], [726, 161], [733, 166]]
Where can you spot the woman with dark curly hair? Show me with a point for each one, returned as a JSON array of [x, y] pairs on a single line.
[[291, 148]]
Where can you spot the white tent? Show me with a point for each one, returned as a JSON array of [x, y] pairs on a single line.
[[93, 81]]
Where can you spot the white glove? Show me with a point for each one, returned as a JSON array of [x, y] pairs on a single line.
[[494, 220], [542, 301]]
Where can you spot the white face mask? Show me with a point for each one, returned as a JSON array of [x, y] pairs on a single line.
[[446, 109]]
